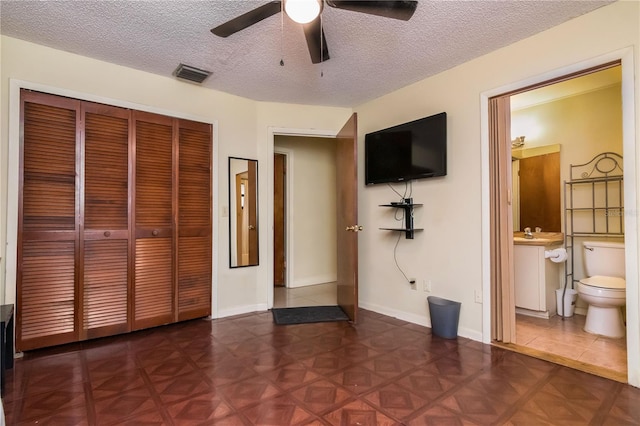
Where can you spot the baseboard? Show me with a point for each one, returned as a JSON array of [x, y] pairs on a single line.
[[318, 279], [417, 319], [240, 310]]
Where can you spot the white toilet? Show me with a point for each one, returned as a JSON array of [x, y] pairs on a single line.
[[605, 288]]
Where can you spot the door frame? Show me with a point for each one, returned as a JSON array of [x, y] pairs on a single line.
[[272, 132], [289, 252], [630, 194]]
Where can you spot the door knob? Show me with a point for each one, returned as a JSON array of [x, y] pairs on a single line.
[[354, 228]]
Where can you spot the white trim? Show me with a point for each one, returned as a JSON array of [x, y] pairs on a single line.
[[214, 223], [631, 187], [14, 164], [289, 211], [417, 319], [267, 278], [314, 280], [241, 310]]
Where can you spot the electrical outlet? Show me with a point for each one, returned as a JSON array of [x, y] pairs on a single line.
[[426, 286], [412, 282], [478, 296]]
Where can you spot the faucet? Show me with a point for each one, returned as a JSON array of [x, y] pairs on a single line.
[[527, 233]]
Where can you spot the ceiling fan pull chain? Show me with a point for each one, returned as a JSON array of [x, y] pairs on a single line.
[[321, 49], [282, 33]]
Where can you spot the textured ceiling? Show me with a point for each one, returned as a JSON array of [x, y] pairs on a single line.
[[370, 55]]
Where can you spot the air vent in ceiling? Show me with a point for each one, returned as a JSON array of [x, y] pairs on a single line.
[[190, 73]]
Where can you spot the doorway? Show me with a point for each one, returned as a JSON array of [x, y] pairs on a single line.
[[318, 249], [547, 338]]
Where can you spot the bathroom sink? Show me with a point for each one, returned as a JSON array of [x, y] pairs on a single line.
[[539, 238]]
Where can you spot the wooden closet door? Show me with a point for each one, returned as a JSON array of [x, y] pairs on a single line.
[[194, 220], [105, 231], [153, 289], [47, 225]]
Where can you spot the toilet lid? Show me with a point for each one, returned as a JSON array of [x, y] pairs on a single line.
[[605, 282]]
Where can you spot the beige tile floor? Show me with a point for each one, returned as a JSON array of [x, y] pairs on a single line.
[[313, 295], [567, 338]]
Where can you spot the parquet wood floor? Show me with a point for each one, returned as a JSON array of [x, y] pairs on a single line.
[[246, 370]]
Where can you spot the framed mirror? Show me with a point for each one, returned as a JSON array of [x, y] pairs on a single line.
[[243, 212]]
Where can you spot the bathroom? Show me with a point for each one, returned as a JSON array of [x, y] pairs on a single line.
[[554, 127]]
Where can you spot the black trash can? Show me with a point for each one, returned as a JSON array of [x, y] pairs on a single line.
[[444, 317]]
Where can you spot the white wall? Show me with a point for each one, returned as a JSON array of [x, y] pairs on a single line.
[[449, 251], [312, 215], [239, 127]]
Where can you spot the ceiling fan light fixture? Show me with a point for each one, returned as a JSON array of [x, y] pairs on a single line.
[[303, 11]]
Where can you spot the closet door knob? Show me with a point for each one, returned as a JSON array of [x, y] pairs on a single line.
[[107, 233], [154, 233]]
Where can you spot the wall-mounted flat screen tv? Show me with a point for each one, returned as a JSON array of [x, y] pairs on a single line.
[[414, 150]]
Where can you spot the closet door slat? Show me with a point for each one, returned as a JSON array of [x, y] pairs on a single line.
[[194, 220], [105, 277], [153, 278], [47, 226]]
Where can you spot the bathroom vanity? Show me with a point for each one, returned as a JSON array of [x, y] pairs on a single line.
[[536, 278]]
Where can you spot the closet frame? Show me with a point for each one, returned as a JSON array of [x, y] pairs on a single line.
[[63, 238]]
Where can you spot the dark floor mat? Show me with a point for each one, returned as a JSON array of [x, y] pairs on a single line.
[[284, 316]]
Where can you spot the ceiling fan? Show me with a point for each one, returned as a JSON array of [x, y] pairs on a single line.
[[307, 13]]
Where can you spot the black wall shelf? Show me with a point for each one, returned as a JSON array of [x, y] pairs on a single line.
[[407, 205]]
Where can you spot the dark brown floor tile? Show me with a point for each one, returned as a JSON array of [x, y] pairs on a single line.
[[327, 363], [144, 419], [245, 370], [75, 416], [169, 368], [69, 399], [387, 366], [249, 391], [278, 339], [228, 371], [268, 360], [121, 407], [182, 387], [426, 383], [356, 352], [626, 408], [440, 416], [357, 379], [396, 401], [321, 396], [360, 413], [206, 408], [329, 341], [291, 376], [278, 411], [109, 386], [476, 406]]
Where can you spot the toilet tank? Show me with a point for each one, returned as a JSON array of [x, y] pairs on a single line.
[[604, 258]]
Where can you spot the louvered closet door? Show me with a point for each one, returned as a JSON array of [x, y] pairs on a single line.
[[47, 226], [153, 279], [105, 236], [194, 220]]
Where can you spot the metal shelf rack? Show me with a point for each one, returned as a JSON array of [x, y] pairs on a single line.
[[593, 205]]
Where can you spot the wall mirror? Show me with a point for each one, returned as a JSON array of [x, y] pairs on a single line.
[[243, 212], [536, 188]]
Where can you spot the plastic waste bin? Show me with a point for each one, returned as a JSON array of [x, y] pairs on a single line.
[[570, 297], [445, 315]]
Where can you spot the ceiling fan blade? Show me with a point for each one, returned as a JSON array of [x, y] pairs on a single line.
[[401, 9], [312, 32], [246, 20]]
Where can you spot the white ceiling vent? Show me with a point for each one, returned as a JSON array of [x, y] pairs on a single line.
[[190, 73]]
